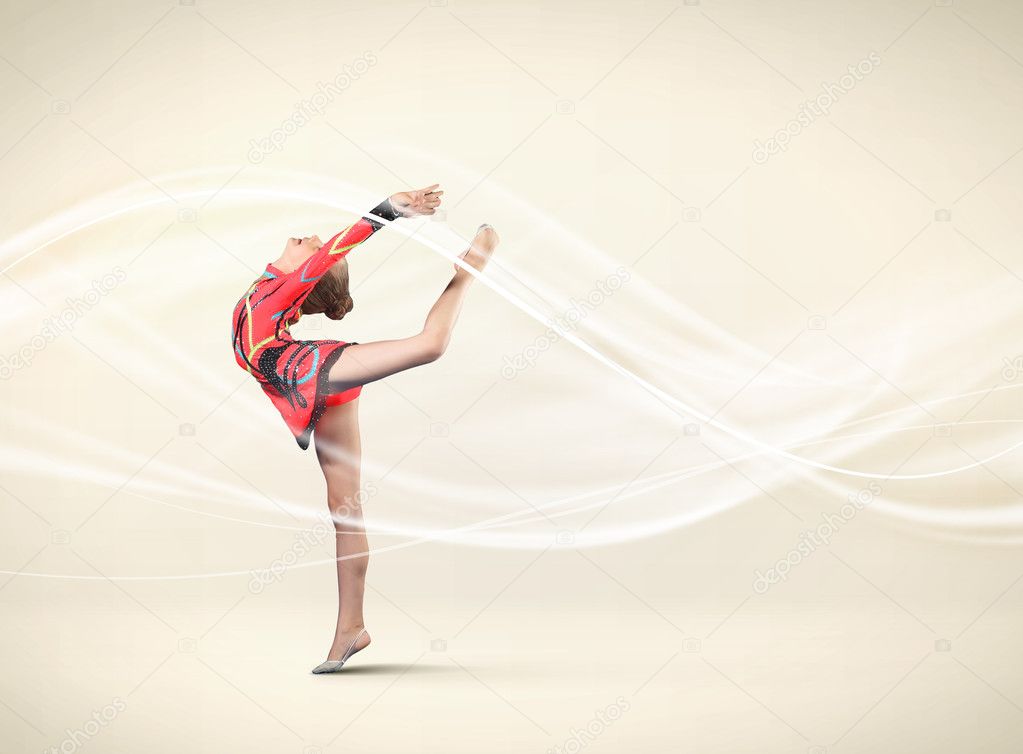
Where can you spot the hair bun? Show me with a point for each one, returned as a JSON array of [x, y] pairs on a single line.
[[330, 296], [342, 308]]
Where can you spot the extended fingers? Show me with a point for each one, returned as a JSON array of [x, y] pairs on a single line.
[[419, 193], [428, 203], [424, 201]]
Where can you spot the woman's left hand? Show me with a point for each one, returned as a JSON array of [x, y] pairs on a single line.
[[422, 202]]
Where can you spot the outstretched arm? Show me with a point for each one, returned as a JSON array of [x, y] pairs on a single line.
[[403, 204]]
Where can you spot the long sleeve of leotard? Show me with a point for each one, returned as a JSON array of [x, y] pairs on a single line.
[[341, 243]]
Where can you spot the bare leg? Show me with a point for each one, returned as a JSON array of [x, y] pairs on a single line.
[[338, 445], [368, 362], [339, 450]]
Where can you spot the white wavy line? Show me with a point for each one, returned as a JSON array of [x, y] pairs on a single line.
[[581, 344], [569, 336]]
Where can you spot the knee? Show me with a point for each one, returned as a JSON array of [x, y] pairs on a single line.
[[344, 509]]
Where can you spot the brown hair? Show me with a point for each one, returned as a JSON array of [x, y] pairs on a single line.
[[330, 295]]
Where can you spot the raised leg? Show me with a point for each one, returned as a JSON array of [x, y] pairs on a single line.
[[367, 362]]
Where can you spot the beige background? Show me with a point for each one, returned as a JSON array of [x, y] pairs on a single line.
[[858, 291]]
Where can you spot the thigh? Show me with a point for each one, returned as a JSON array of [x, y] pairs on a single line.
[[362, 363], [339, 448]]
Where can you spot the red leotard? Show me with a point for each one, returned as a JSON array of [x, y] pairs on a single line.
[[293, 373]]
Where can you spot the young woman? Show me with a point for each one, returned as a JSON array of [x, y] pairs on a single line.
[[315, 384]]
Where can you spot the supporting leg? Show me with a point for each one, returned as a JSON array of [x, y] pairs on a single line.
[[338, 448]]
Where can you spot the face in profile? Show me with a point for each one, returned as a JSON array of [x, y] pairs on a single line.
[[296, 247]]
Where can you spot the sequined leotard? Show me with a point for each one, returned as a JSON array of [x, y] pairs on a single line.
[[293, 373]]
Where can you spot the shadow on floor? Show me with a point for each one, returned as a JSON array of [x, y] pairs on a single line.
[[396, 669]]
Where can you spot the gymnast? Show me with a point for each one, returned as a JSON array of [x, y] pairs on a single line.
[[315, 384]]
